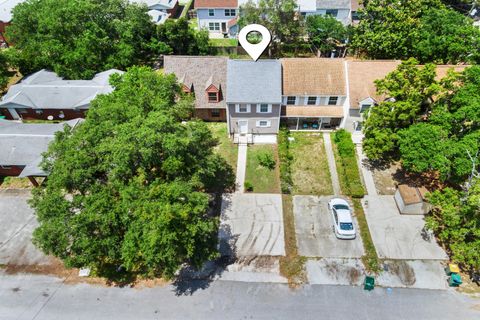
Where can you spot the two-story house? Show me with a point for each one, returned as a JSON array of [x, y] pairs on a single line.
[[44, 95], [219, 17], [206, 79], [160, 10], [314, 93], [254, 99]]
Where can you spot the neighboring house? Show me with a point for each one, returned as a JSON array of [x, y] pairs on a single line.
[[254, 99], [6, 7], [219, 17], [206, 79], [23, 145], [160, 10], [314, 93], [339, 9], [45, 95]]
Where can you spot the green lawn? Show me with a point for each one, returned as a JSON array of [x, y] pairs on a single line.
[[224, 42], [263, 179], [226, 148], [310, 172]]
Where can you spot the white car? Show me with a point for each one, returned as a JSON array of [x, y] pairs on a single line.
[[342, 219]]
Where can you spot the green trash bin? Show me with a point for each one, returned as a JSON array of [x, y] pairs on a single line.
[[2, 117], [369, 283], [455, 280]]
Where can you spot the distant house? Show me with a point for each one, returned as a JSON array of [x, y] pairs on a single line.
[[411, 200], [254, 99], [339, 9], [6, 7], [219, 17], [206, 79], [160, 10], [45, 95], [23, 144], [314, 93]]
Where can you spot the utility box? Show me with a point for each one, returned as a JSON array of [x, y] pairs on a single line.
[[369, 283]]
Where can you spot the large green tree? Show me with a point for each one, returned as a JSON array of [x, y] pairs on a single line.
[[182, 39], [128, 190], [78, 38], [281, 18], [4, 72], [446, 36], [326, 34]]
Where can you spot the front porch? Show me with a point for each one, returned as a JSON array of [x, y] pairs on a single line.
[[311, 123]]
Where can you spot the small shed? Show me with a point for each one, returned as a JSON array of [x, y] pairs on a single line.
[[411, 200]]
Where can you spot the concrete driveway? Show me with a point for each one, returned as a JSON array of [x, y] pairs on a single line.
[[315, 236], [397, 236], [252, 225], [17, 223]]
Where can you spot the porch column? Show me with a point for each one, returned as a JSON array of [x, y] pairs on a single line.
[[33, 181], [298, 121]]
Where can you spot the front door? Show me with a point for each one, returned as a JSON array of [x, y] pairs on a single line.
[[243, 124], [224, 27]]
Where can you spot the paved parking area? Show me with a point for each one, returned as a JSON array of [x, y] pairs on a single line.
[[397, 236], [315, 236], [252, 225], [17, 223]]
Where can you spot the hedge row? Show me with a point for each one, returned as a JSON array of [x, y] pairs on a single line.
[[347, 166]]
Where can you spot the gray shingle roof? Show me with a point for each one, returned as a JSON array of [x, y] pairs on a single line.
[[200, 72], [22, 144], [46, 90], [333, 4], [254, 82]]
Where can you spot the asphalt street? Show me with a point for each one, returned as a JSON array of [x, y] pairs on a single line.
[[43, 297]]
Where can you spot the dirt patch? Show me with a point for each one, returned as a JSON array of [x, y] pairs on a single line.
[[404, 272], [384, 179], [261, 263], [469, 287]]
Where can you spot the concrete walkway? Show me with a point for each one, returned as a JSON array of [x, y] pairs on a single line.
[[331, 163], [367, 174], [241, 167]]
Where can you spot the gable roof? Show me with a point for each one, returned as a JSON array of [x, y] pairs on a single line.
[[254, 82], [313, 76], [23, 143], [361, 79], [6, 7], [156, 4], [201, 72], [333, 4], [216, 4], [46, 90]]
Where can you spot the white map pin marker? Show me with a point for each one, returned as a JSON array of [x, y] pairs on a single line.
[[254, 50]]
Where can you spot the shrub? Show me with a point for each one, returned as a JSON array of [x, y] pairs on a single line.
[[266, 160], [248, 186], [286, 159]]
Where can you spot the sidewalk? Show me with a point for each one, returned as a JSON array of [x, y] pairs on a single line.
[[241, 167], [331, 163]]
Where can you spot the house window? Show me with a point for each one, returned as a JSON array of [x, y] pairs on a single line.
[[332, 12], [312, 100], [21, 110], [364, 107], [230, 12], [39, 111], [291, 100], [242, 108], [212, 96], [332, 101], [211, 12], [215, 113], [263, 123], [263, 108], [214, 26]]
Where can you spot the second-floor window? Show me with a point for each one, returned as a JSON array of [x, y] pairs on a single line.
[[230, 12], [213, 97], [263, 108], [291, 100], [242, 108], [332, 12], [332, 101], [211, 12], [312, 100]]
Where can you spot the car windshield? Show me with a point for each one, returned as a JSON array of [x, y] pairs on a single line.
[[346, 226], [341, 207]]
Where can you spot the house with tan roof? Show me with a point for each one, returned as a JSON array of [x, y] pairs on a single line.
[[206, 79], [314, 93]]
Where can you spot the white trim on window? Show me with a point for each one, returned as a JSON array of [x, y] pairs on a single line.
[[211, 12], [259, 108], [237, 108], [264, 123]]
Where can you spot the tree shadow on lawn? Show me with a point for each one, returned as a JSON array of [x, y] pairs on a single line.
[[189, 279]]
